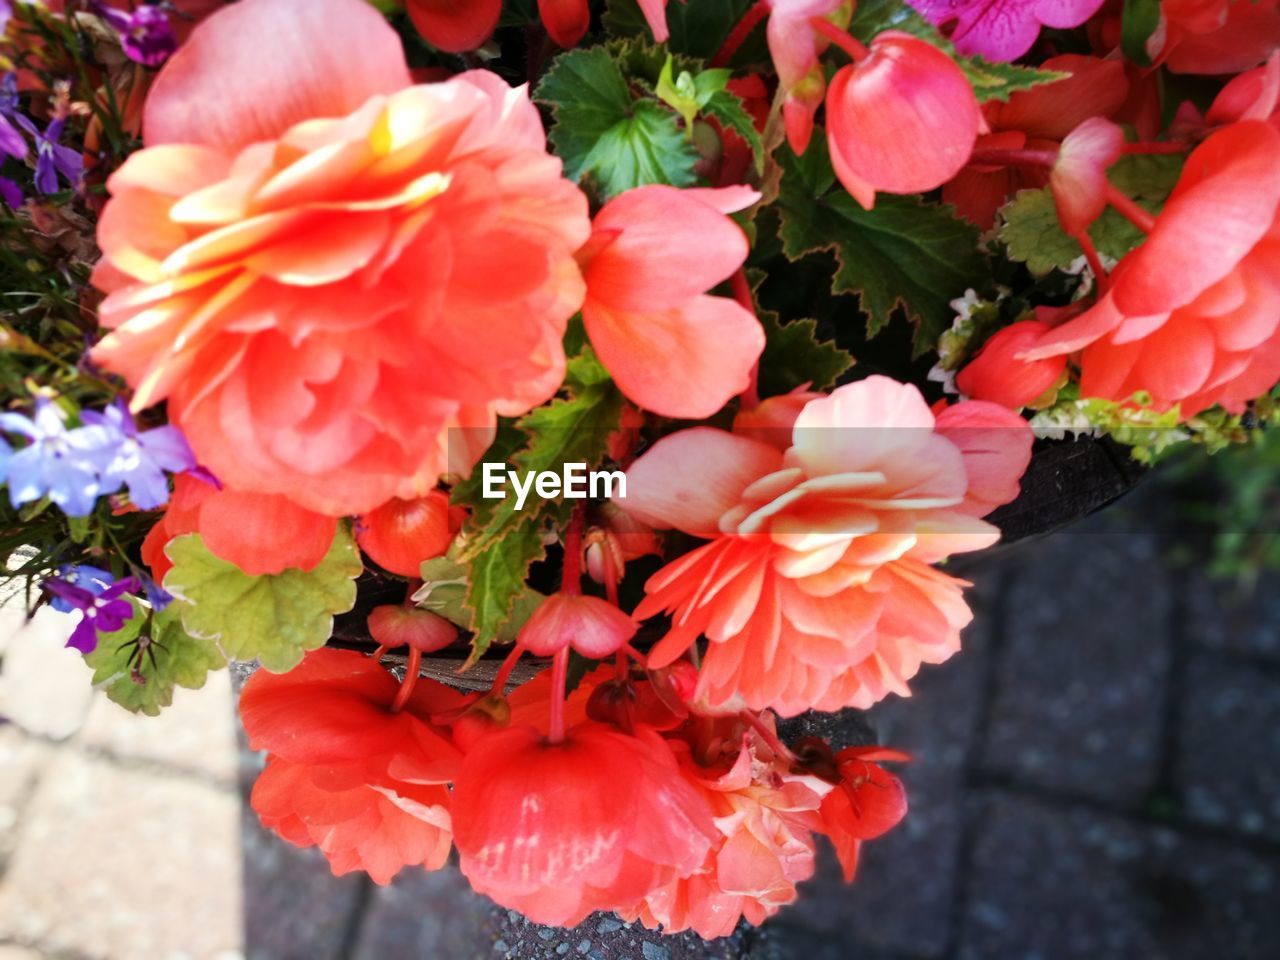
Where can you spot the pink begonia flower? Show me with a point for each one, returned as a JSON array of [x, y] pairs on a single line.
[[655, 11], [653, 253], [902, 120], [1079, 175], [795, 47], [816, 590], [1002, 29]]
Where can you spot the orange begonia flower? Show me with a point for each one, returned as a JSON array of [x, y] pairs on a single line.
[[324, 268], [816, 590]]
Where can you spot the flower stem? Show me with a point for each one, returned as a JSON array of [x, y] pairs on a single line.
[[738, 36], [996, 157], [768, 736], [1095, 262], [856, 50], [410, 680], [571, 579], [559, 680], [1130, 210], [504, 671], [1174, 146]]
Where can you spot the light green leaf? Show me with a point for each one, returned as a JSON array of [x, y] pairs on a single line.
[[140, 665], [906, 253], [601, 131], [444, 591], [273, 618]]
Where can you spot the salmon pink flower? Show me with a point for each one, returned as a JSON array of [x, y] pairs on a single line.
[[455, 25], [653, 253], [903, 119], [765, 816], [795, 48], [401, 534], [345, 771], [1079, 175], [997, 375], [816, 590], [324, 268], [1218, 36], [394, 625], [772, 421], [1192, 317], [593, 822], [1003, 29], [593, 627], [1252, 95]]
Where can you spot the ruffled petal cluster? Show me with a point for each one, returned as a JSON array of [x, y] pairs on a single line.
[[816, 590], [1192, 317], [345, 773], [324, 268]]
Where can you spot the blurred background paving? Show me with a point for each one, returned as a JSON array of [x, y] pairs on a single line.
[[1097, 775]]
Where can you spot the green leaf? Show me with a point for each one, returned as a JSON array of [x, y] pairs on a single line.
[[444, 592], [1140, 19], [990, 81], [689, 93], [602, 132], [139, 670], [273, 618], [729, 110], [1032, 235], [501, 542], [793, 355], [906, 253]]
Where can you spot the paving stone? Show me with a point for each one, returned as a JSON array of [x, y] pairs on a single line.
[[124, 864], [21, 762], [1222, 616], [197, 732], [1050, 882], [1228, 762], [1081, 684], [294, 907], [425, 914], [12, 952], [44, 686]]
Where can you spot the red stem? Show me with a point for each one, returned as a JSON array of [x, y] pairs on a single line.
[[380, 653], [571, 580], [1130, 210], [504, 671], [768, 736], [996, 157], [410, 680], [1095, 262], [559, 680], [1176, 146], [738, 36], [854, 48]]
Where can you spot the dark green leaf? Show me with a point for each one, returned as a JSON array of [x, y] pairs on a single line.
[[1140, 20], [698, 27]]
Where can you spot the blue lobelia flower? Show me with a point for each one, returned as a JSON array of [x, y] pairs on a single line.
[[52, 158], [104, 612], [62, 464], [86, 577], [141, 459]]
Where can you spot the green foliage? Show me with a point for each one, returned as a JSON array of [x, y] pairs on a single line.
[[1032, 235], [500, 543], [698, 27], [990, 81], [1140, 19], [140, 665], [274, 618], [794, 354], [906, 253], [444, 592], [603, 132]]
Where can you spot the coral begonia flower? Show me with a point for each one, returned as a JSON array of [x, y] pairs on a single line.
[[1002, 29], [765, 815], [815, 591], [394, 625], [566, 20], [1192, 317], [261, 533], [401, 534], [653, 253], [1079, 175], [866, 804], [324, 268], [455, 25], [795, 48], [902, 120], [1253, 95], [997, 375], [595, 822], [344, 772], [1218, 36]]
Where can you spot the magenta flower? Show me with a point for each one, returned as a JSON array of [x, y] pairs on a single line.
[[146, 36], [1002, 29]]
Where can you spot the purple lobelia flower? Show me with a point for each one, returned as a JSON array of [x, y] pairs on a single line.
[[146, 35], [104, 612], [52, 158], [141, 458], [12, 142], [1002, 29], [10, 193], [86, 577], [62, 464]]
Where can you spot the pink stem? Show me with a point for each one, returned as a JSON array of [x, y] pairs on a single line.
[[854, 48], [559, 680], [1130, 210], [410, 680], [504, 671], [1176, 146], [996, 157]]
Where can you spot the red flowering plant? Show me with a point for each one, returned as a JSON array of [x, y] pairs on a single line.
[[339, 337]]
